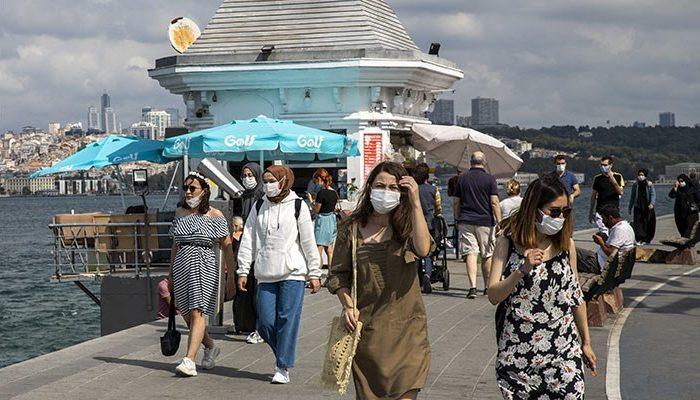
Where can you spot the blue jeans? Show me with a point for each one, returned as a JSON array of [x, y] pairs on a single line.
[[279, 316]]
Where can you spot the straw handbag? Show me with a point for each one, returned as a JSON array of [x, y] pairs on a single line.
[[342, 344]]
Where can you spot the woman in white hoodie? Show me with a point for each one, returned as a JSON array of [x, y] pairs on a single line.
[[279, 239]]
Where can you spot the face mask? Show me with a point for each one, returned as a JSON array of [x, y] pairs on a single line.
[[249, 182], [641, 178], [550, 226], [194, 202], [561, 167], [272, 189], [682, 184], [605, 169], [384, 201]]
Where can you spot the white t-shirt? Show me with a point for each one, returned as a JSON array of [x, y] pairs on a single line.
[[509, 205], [620, 236]]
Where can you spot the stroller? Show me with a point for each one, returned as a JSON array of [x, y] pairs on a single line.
[[440, 272]]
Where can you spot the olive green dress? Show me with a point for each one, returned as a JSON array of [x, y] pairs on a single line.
[[393, 355]]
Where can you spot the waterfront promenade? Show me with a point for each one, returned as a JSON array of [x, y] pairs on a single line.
[[654, 353]]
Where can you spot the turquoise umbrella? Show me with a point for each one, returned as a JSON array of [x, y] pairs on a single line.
[[261, 137]]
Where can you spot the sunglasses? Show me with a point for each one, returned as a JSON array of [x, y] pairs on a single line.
[[557, 212], [190, 188]]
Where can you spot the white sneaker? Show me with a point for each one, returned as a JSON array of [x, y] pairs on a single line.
[[186, 368], [281, 376], [254, 338], [209, 359]]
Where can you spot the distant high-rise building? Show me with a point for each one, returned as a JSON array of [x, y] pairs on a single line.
[[144, 130], [638, 124], [667, 119], [105, 103], [443, 113], [93, 118], [144, 111], [54, 127], [484, 112], [160, 119], [109, 120], [174, 116]]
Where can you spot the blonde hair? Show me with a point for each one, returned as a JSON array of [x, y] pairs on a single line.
[[512, 187], [238, 223]]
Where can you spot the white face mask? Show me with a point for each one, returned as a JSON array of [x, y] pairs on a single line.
[[561, 168], [682, 184], [384, 201], [604, 169], [249, 182], [272, 189], [642, 178], [550, 226], [194, 202]]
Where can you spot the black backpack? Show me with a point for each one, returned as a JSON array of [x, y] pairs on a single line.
[[297, 207]]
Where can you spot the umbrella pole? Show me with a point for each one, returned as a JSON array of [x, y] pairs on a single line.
[[262, 160], [172, 179], [121, 186]]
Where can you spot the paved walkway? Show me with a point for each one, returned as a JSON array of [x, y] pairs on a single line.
[[128, 364]]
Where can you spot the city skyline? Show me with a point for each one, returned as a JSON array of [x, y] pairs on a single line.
[[579, 64]]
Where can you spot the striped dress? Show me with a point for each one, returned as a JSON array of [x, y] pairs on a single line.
[[195, 273]]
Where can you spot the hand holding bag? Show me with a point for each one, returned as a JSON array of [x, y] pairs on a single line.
[[170, 342], [340, 351]]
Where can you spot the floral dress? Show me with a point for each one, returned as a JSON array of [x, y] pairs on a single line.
[[539, 351]]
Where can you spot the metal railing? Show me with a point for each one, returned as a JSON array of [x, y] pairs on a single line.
[[84, 251]]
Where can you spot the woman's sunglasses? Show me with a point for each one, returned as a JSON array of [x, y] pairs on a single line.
[[190, 188], [557, 212]]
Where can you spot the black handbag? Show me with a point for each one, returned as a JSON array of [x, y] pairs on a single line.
[[170, 342]]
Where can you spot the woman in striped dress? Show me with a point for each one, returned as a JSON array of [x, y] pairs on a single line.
[[197, 230]]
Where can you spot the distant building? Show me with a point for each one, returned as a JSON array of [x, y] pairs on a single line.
[[159, 119], [93, 118], [463, 120], [518, 146], [144, 130], [667, 119], [144, 111], [110, 121], [638, 124], [54, 127], [174, 116], [18, 185], [443, 113], [672, 171], [105, 103], [586, 134], [484, 112]]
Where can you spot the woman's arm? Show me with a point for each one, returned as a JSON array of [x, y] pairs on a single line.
[[173, 254], [499, 289], [308, 244], [581, 319], [421, 235]]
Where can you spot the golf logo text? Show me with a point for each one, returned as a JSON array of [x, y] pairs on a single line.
[[180, 144], [126, 158], [306, 142], [233, 141]]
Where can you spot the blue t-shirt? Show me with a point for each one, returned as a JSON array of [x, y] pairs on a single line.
[[569, 180], [475, 188]]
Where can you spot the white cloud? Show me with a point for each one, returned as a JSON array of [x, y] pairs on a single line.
[[614, 40]]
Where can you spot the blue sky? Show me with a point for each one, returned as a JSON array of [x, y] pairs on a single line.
[[548, 62]]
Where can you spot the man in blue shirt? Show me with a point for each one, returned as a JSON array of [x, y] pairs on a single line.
[[479, 212], [568, 179]]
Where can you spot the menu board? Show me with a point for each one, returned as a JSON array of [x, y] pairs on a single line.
[[373, 151]]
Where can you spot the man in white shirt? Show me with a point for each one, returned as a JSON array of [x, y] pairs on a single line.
[[621, 238]]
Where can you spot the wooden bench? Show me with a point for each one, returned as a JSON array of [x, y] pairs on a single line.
[[602, 291], [683, 254]]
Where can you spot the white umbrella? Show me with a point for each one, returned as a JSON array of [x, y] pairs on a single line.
[[454, 145]]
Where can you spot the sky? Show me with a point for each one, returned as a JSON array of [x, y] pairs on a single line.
[[548, 62]]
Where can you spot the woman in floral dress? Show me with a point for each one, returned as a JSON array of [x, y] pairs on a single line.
[[541, 325]]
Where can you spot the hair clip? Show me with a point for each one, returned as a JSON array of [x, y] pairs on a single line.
[[197, 175]]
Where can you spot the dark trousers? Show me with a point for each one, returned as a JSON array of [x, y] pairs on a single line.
[[587, 261]]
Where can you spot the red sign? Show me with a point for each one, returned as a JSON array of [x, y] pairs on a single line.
[[373, 151]]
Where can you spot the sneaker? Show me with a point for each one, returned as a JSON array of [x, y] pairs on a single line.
[[486, 292], [254, 338], [186, 368], [209, 359], [472, 293], [281, 376]]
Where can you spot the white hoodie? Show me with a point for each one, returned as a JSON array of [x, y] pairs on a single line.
[[281, 247]]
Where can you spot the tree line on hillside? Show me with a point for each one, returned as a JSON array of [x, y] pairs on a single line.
[[632, 148]]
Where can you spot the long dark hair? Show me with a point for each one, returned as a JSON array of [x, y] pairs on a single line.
[[523, 223], [203, 206], [400, 218]]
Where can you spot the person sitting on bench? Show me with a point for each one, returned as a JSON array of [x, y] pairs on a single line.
[[621, 237]]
